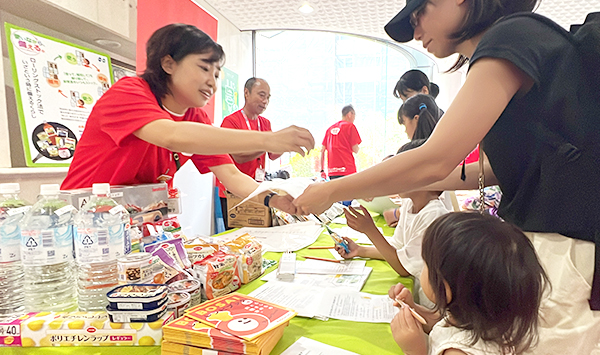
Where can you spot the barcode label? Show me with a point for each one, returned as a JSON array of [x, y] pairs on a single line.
[[102, 237], [16, 211], [48, 239]]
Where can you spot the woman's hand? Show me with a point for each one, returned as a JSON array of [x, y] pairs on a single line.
[[361, 222], [291, 139], [351, 245], [408, 333], [315, 199], [284, 203], [391, 216]]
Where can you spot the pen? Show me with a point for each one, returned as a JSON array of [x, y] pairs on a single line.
[[322, 259], [338, 240], [413, 312]]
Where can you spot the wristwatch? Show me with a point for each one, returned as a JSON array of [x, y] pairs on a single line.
[[268, 199]]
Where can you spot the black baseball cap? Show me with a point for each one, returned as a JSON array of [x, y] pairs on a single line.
[[399, 28]]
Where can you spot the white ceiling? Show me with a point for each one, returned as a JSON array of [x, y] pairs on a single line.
[[362, 17]]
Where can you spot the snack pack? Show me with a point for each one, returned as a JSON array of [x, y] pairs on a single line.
[[249, 254], [219, 274]]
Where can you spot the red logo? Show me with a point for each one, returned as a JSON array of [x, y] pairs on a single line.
[[91, 330]]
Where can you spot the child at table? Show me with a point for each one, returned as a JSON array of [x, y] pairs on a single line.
[[403, 251], [487, 283]]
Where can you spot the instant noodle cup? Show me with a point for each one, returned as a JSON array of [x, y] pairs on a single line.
[[179, 301]]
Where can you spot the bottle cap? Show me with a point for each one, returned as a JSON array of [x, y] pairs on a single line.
[[101, 189], [49, 189], [10, 188]]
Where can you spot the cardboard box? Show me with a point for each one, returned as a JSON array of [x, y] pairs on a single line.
[[248, 214]]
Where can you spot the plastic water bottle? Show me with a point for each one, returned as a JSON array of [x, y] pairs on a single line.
[[12, 210], [47, 253], [100, 239]]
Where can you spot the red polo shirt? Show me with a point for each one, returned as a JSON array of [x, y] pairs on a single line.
[[339, 140], [237, 120], [109, 152]]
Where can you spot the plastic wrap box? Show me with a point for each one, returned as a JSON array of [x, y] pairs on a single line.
[[86, 329], [248, 214]]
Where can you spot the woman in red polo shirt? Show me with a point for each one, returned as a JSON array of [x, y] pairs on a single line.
[[144, 128]]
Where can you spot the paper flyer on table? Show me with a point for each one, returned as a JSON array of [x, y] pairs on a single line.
[[305, 300], [290, 237], [306, 346], [353, 282], [357, 306], [293, 186], [358, 237], [348, 267]]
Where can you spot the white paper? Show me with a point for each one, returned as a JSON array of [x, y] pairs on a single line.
[[291, 237], [358, 306], [306, 346], [293, 186], [340, 220], [348, 267], [335, 254], [358, 237], [378, 204], [352, 282], [306, 300]]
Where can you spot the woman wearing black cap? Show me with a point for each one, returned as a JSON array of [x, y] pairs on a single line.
[[532, 102]]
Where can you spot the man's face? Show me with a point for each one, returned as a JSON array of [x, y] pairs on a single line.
[[257, 100]]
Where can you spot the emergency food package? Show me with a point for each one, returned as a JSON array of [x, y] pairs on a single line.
[[219, 274], [249, 254]]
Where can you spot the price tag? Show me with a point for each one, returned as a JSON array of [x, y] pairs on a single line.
[[68, 208], [10, 330], [16, 211]]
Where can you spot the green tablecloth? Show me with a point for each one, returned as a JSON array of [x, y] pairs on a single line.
[[361, 338]]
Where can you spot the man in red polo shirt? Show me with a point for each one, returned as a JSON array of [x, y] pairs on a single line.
[[257, 94], [341, 142]]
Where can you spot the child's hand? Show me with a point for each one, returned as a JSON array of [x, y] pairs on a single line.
[[391, 216], [351, 245], [361, 222], [408, 333], [400, 292]]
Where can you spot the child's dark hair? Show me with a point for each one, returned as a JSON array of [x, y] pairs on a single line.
[[481, 14], [495, 278], [177, 40], [414, 80], [429, 114]]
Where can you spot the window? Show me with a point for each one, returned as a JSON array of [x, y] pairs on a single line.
[[314, 74]]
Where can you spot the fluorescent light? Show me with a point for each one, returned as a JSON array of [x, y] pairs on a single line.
[[306, 8]]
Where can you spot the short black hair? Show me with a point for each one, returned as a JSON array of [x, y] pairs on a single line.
[[347, 109], [495, 278], [482, 14], [428, 111], [176, 40], [414, 80]]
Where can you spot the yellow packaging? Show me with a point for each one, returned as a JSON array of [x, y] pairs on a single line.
[[87, 329], [249, 253]]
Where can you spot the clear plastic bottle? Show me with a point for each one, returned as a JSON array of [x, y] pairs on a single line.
[[12, 210], [100, 239], [47, 253]]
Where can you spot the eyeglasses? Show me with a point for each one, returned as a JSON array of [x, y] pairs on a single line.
[[414, 16]]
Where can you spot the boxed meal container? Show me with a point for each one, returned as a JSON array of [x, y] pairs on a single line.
[[247, 214], [139, 297]]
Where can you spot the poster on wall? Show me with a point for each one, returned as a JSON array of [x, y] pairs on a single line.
[[56, 85], [229, 92]]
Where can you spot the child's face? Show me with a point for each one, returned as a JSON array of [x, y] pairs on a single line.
[[425, 285], [193, 79], [410, 125], [436, 22]]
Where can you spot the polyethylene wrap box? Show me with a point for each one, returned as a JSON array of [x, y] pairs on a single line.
[[84, 329]]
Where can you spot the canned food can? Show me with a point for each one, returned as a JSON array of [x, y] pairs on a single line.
[[135, 268]]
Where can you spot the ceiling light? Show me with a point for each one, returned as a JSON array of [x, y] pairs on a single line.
[[108, 43], [306, 8]]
